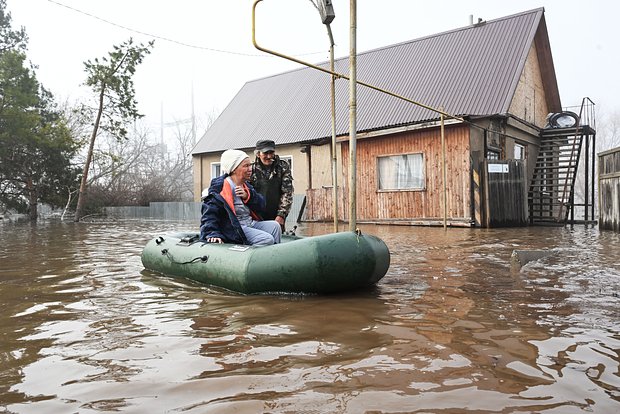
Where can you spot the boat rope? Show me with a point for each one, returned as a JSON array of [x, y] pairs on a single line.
[[203, 259]]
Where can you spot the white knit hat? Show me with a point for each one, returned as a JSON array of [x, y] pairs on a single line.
[[231, 159]]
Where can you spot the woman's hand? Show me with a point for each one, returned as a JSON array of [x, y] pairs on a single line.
[[240, 191], [214, 240]]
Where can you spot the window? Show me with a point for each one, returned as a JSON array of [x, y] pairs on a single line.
[[492, 155], [401, 172], [216, 170], [288, 159], [519, 152]]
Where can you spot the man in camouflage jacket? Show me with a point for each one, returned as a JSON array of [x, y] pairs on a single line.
[[272, 177]]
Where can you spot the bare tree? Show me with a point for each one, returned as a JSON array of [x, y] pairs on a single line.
[[607, 137], [608, 131], [142, 169], [111, 78], [138, 171]]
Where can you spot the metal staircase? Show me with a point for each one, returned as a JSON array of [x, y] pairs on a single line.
[[552, 191]]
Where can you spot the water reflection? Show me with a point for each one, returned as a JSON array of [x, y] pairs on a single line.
[[451, 328]]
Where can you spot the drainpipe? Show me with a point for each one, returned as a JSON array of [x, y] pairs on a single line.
[[309, 162]]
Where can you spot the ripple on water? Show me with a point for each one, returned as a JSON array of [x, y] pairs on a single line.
[[450, 328]]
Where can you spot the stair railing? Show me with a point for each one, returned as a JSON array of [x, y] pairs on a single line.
[[565, 200]]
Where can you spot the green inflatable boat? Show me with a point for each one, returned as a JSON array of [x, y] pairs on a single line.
[[331, 263]]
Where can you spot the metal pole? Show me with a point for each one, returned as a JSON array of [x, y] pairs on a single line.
[[352, 78], [443, 168], [353, 116], [333, 152], [586, 183], [339, 75], [593, 172]]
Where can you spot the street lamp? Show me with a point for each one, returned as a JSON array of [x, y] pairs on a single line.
[[326, 10]]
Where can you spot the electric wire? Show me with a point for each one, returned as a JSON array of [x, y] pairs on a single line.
[[153, 35], [465, 121], [167, 39]]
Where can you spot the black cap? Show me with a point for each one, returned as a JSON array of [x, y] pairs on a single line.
[[265, 145]]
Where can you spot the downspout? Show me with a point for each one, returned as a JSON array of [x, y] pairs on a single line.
[[308, 151]]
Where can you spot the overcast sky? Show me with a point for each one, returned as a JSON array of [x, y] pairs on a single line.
[[209, 48]]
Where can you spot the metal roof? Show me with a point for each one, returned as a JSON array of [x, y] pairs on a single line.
[[473, 70]]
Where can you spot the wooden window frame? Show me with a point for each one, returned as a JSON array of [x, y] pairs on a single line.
[[397, 190]]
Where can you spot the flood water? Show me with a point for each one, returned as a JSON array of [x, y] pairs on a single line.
[[452, 328]]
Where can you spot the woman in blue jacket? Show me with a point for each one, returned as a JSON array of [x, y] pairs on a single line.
[[231, 209]]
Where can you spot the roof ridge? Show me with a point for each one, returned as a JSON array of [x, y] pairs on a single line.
[[405, 42], [458, 29]]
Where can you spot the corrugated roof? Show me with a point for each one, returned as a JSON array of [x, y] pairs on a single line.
[[473, 70]]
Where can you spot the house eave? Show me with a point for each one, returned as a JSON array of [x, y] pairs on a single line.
[[399, 129]]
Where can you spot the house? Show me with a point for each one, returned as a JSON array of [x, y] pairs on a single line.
[[498, 75]]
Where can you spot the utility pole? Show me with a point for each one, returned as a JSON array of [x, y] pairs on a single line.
[[326, 10], [353, 117]]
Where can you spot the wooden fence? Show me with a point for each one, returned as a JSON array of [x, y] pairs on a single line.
[[185, 211], [609, 189], [504, 193]]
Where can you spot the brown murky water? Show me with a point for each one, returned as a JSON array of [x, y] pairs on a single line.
[[450, 329]]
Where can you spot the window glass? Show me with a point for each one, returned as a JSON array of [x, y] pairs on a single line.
[[216, 170], [492, 155], [288, 159], [401, 172], [519, 152]]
